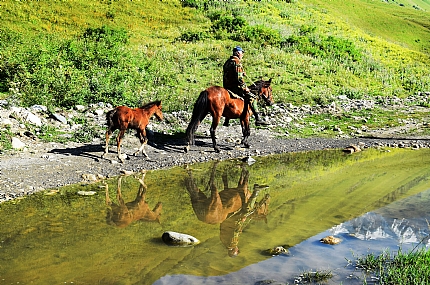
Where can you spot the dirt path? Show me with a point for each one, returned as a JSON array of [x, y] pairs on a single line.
[[51, 165]]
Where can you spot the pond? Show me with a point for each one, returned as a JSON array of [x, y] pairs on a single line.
[[372, 200]]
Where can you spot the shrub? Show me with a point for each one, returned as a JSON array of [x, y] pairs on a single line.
[[323, 47], [189, 36], [91, 68], [227, 23]]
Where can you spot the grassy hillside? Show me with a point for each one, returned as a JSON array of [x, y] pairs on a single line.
[[62, 53], [404, 23]]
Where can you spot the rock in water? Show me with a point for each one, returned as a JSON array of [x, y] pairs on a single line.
[[179, 239], [330, 240]]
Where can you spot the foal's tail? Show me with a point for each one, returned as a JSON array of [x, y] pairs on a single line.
[[199, 113], [109, 116]]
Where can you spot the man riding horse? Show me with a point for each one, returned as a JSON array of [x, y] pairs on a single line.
[[233, 80]]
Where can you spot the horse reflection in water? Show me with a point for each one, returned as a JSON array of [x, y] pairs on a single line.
[[232, 208], [123, 214]]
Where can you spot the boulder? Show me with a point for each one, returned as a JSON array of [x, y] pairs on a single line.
[[330, 240], [179, 239], [17, 144]]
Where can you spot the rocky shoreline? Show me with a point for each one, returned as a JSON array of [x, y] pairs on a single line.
[[36, 165]]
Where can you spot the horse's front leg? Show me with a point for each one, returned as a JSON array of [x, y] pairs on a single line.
[[214, 125], [143, 141]]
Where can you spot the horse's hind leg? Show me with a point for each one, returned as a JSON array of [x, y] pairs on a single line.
[[214, 125], [246, 131]]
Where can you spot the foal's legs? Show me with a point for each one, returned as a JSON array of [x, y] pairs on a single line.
[[108, 134], [143, 140], [118, 143]]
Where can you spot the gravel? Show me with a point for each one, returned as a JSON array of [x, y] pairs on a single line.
[[42, 166]]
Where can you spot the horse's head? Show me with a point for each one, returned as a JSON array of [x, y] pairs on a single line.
[[264, 90], [158, 113]]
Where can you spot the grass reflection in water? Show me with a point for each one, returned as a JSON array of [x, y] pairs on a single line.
[[48, 239]]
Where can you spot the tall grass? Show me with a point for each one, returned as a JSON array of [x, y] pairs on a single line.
[[83, 52]]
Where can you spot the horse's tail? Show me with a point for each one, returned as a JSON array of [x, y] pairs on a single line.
[[199, 113]]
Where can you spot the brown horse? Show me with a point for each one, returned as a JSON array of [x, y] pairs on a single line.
[[218, 102], [124, 118], [124, 214], [233, 208], [216, 208]]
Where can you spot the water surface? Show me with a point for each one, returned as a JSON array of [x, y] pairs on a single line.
[[236, 210]]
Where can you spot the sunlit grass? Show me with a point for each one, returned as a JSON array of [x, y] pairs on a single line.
[[355, 123], [158, 66], [411, 267]]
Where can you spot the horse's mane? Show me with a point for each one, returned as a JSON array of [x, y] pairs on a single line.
[[150, 104], [258, 85]]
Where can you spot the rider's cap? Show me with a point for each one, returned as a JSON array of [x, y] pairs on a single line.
[[237, 49]]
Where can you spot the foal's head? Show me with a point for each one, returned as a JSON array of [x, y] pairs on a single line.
[[158, 113], [155, 108]]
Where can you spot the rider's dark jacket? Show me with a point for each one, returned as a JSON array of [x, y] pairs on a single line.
[[233, 74]]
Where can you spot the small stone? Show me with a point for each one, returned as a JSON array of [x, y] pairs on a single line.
[[89, 177], [33, 119], [80, 107], [277, 250], [99, 112], [87, 193], [59, 118], [126, 172], [6, 122], [248, 160]]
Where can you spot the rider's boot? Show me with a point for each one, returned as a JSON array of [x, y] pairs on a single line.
[[258, 120]]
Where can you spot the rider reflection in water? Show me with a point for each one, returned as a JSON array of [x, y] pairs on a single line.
[[232, 227], [233, 80]]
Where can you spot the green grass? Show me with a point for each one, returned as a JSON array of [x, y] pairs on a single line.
[[64, 53], [5, 139], [329, 125], [334, 56], [314, 277], [397, 268]]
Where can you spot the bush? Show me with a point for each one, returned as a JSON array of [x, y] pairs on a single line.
[[323, 47], [91, 68], [236, 28], [260, 35], [193, 36], [227, 23]]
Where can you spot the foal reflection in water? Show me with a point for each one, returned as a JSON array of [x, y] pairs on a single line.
[[232, 208], [124, 214]]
